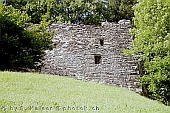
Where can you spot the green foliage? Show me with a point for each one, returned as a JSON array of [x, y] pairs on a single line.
[[14, 15], [92, 12], [76, 11], [21, 48], [116, 10], [152, 44], [17, 4], [34, 8]]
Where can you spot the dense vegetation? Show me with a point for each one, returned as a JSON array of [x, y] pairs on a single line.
[[152, 45], [21, 48], [37, 90], [76, 11]]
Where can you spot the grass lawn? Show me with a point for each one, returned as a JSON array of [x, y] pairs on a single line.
[[38, 93]]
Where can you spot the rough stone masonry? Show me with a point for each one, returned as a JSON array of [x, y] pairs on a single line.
[[93, 53]]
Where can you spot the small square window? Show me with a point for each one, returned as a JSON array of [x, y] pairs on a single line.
[[101, 42], [97, 59]]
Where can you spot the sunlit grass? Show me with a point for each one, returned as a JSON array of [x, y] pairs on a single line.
[[28, 92]]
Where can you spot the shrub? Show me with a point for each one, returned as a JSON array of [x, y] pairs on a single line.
[[21, 48], [152, 44]]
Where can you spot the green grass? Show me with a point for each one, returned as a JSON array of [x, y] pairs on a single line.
[[28, 92]]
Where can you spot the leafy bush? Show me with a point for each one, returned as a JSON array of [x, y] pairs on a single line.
[[152, 44], [21, 48]]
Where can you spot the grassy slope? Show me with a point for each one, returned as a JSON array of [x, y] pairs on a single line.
[[27, 89]]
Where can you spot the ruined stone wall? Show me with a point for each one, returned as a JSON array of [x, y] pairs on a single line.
[[93, 53]]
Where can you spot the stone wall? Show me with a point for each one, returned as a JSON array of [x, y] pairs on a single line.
[[93, 53]]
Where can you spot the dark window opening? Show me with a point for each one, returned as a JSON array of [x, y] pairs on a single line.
[[101, 42], [97, 59]]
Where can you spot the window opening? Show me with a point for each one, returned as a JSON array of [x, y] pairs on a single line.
[[101, 42], [97, 59]]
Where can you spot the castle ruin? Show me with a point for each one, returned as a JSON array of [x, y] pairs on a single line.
[[93, 53]]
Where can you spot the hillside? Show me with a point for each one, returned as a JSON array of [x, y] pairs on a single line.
[[28, 92]]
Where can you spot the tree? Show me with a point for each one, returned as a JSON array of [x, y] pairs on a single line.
[[76, 11], [21, 48], [17, 4], [152, 45], [119, 9], [34, 8]]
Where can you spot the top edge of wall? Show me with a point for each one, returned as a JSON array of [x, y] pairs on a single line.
[[103, 24]]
